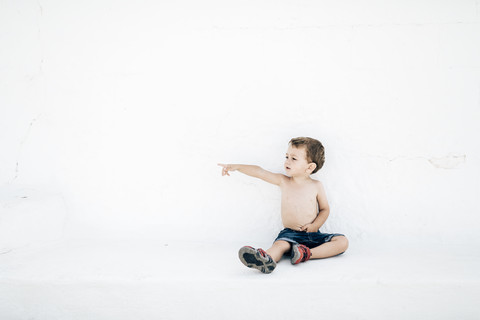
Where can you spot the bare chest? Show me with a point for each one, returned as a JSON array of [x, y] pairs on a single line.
[[299, 201]]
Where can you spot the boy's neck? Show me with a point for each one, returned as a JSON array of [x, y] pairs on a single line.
[[300, 179]]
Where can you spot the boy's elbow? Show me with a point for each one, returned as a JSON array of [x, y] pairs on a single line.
[[325, 212]]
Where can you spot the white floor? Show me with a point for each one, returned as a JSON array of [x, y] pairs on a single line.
[[157, 280]]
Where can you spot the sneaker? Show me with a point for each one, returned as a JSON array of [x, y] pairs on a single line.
[[257, 258], [300, 253]]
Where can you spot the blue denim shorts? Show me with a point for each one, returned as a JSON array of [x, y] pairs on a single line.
[[309, 239]]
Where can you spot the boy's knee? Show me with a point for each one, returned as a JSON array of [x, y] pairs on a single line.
[[342, 241], [284, 244]]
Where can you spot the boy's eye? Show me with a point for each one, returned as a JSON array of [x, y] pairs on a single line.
[[294, 159]]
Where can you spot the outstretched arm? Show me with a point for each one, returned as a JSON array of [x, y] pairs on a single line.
[[254, 171]]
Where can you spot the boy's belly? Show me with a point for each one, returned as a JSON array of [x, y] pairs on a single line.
[[296, 221]]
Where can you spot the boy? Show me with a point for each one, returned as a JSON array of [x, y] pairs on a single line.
[[304, 209]]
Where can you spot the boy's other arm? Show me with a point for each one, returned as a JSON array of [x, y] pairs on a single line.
[[324, 211], [254, 171], [324, 208]]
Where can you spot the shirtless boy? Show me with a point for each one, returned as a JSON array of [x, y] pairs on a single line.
[[304, 209]]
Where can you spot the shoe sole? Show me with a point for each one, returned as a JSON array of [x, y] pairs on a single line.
[[252, 259]]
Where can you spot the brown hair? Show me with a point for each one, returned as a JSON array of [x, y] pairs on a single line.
[[314, 150]]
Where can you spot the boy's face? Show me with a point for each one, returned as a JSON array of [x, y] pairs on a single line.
[[296, 162]]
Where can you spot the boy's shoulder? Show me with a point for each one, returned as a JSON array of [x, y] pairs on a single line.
[[315, 180], [317, 183]]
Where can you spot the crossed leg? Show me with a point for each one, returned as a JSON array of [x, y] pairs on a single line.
[[335, 246]]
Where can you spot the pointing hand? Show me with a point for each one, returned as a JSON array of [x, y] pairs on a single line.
[[226, 168]]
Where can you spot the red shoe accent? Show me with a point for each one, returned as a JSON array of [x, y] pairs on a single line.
[[307, 255], [263, 252]]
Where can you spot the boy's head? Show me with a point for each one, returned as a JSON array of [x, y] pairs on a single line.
[[304, 154]]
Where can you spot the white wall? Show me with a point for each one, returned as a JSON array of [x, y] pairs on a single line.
[[114, 115]]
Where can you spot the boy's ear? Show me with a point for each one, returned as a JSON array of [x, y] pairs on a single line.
[[312, 166]]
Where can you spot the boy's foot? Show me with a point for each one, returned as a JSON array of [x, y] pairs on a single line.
[[257, 258], [300, 253]]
